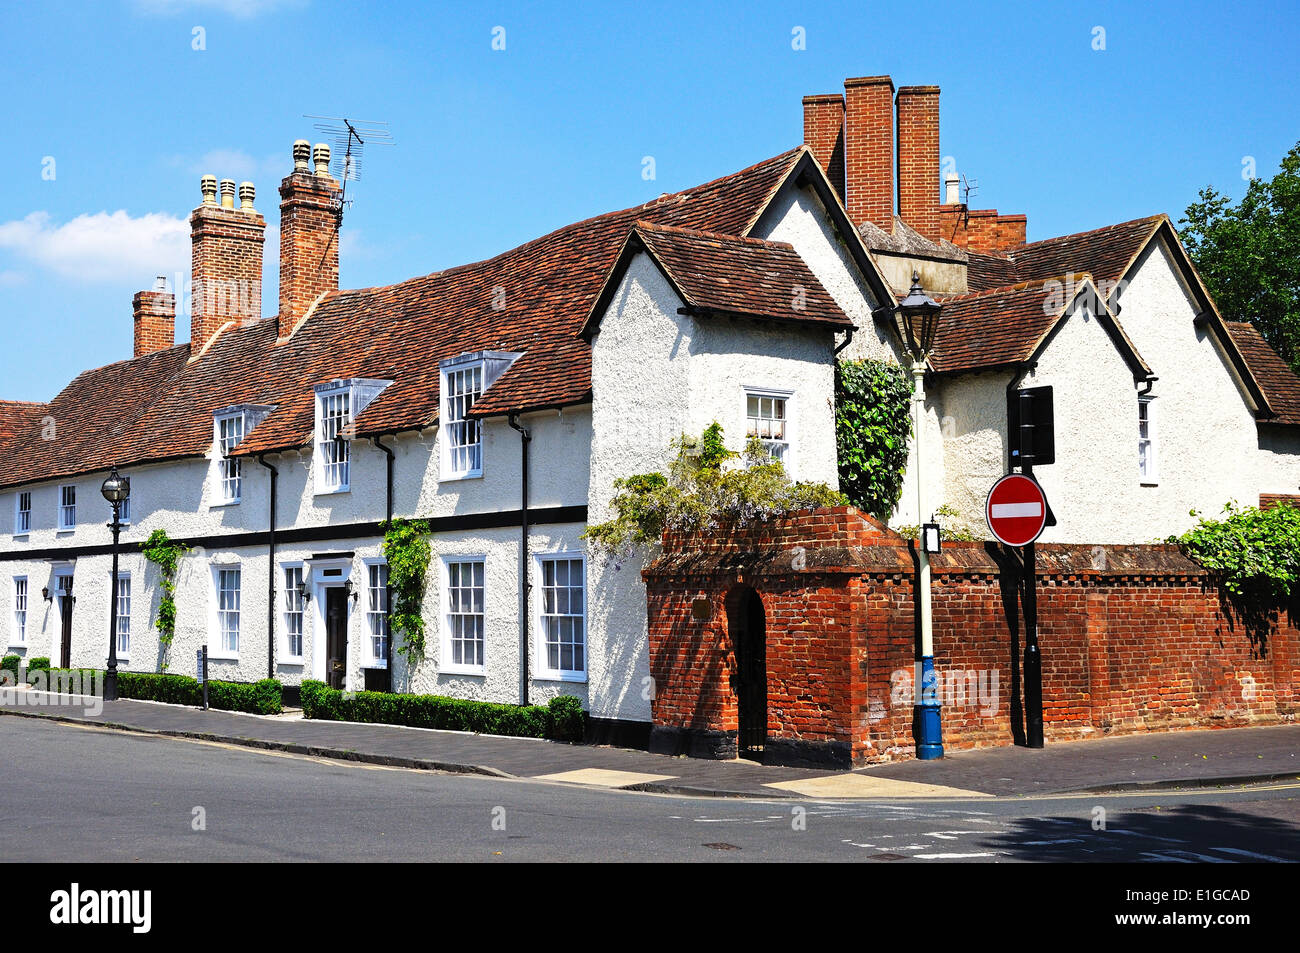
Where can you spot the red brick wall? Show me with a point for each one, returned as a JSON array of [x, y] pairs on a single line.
[[1133, 638], [154, 315], [309, 248], [869, 150], [823, 133], [918, 159], [226, 260], [981, 230]]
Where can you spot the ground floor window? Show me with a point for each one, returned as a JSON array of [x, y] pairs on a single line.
[[20, 610], [122, 624], [563, 614], [464, 645], [227, 581], [293, 611], [377, 611]]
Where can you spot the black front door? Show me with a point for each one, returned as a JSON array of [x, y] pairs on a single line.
[[749, 636], [65, 615], [336, 636]]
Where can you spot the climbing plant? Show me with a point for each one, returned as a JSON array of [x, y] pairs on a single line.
[[160, 550], [1256, 552], [872, 424], [407, 550], [700, 493]]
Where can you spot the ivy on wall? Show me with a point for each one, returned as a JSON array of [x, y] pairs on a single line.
[[1256, 552], [166, 555], [872, 425], [700, 494], [407, 550]]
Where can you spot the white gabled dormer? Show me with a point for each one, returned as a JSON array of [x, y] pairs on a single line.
[[230, 425], [463, 380], [338, 403]]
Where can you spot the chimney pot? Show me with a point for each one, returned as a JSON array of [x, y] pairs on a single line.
[[208, 186], [247, 192], [301, 155], [321, 156], [227, 193], [952, 190], [160, 284]]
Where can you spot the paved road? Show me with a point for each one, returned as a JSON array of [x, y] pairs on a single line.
[[73, 793]]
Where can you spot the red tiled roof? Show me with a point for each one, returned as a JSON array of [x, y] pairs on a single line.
[[1279, 383], [1105, 253], [16, 416], [730, 274], [1005, 326], [160, 405]]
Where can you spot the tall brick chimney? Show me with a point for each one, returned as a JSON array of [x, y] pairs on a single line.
[[309, 246], [918, 159], [823, 133], [226, 260], [155, 318], [869, 150]]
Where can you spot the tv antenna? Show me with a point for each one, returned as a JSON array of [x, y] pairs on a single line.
[[348, 138], [969, 188]]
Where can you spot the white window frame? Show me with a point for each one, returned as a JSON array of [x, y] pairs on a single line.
[[453, 426], [372, 613], [1150, 474], [66, 509], [292, 599], [320, 443], [771, 393], [216, 637], [123, 654], [446, 657], [543, 670], [230, 489], [22, 526], [22, 603], [124, 510]]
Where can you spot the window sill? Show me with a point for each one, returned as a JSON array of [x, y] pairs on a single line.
[[291, 660], [560, 677], [64, 530], [223, 658], [380, 665], [457, 477], [479, 670], [219, 503], [22, 537], [333, 492], [1148, 483], [17, 645]]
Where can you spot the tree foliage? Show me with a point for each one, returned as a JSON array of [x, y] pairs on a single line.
[[1255, 552], [872, 425], [1249, 254], [701, 493]]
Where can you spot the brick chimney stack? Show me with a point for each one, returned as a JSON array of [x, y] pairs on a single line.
[[155, 318], [226, 260], [918, 159], [309, 221], [823, 133], [869, 150]]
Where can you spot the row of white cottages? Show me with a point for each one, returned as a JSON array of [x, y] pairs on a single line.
[[501, 400]]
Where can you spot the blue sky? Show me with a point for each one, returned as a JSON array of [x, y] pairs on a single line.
[[494, 147]]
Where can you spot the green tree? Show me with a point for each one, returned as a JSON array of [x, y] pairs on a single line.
[[1248, 254]]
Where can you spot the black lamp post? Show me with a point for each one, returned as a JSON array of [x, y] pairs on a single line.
[[116, 488], [918, 319]]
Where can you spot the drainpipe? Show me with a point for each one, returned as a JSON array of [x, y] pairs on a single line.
[[525, 438], [270, 572], [848, 339], [388, 590]]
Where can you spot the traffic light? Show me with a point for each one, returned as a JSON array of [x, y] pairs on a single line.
[[1031, 435]]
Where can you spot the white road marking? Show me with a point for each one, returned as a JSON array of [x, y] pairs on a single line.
[[953, 856]]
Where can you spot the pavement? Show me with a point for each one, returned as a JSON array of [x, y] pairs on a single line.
[[1172, 760]]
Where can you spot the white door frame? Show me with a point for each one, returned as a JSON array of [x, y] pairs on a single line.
[[319, 639]]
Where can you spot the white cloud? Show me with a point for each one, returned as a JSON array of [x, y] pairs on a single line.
[[243, 9], [102, 247], [234, 164]]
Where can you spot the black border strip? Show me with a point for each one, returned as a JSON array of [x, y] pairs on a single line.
[[501, 519]]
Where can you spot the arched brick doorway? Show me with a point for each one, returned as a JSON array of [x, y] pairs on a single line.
[[747, 626]]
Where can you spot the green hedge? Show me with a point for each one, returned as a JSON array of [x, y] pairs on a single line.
[[258, 698], [563, 719], [36, 664], [10, 663]]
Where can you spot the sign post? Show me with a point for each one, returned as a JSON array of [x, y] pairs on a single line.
[[202, 669]]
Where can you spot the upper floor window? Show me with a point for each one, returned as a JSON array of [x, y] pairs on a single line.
[[67, 507], [1147, 457], [338, 404], [767, 419], [461, 388], [20, 610], [229, 432], [23, 513], [124, 509]]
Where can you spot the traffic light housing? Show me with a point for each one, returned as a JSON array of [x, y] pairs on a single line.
[[1031, 434]]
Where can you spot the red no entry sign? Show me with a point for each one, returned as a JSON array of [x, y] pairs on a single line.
[[1016, 510]]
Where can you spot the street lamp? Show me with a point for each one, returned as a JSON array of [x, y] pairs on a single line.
[[917, 318], [116, 488]]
